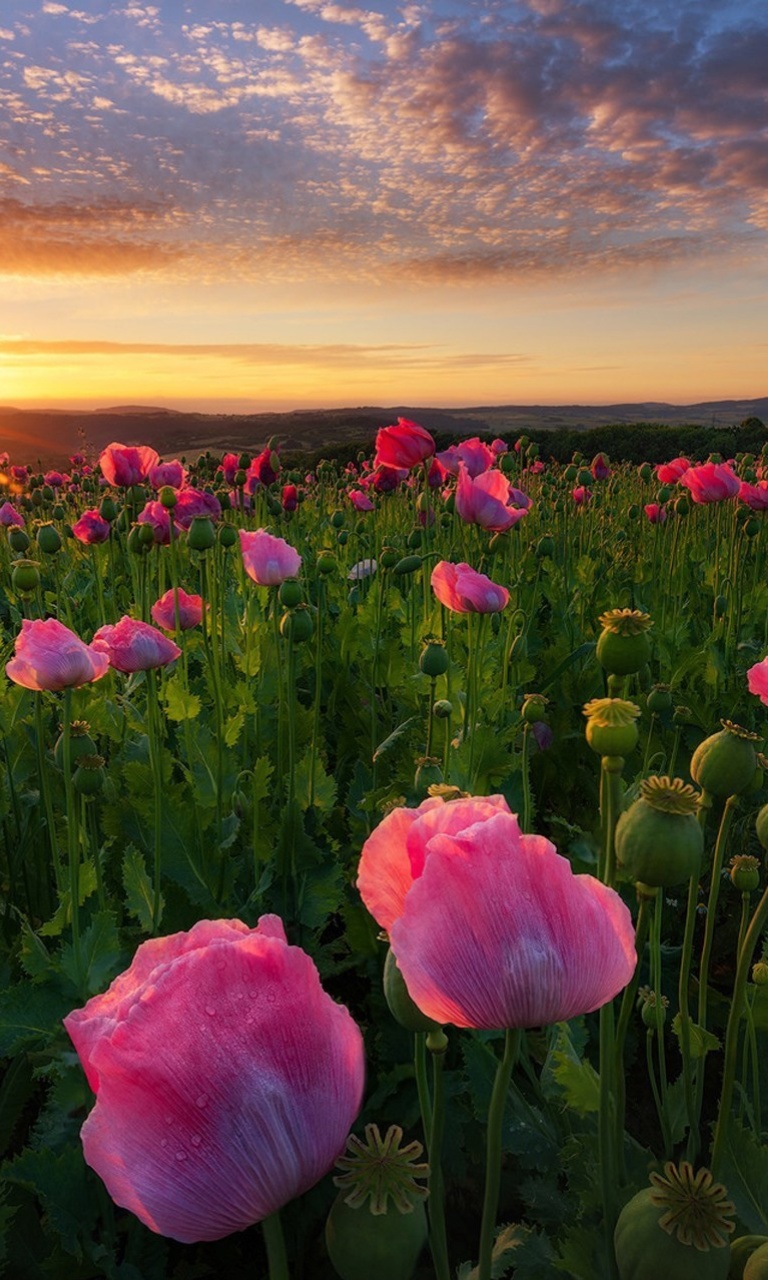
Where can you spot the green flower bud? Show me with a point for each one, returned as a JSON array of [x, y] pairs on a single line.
[[296, 625], [48, 539], [290, 593], [227, 535], [202, 534], [434, 659]]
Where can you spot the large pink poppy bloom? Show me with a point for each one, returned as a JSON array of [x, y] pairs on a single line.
[[485, 500], [670, 472], [490, 927], [268, 560], [755, 495], [475, 454], [360, 500], [190, 610], [124, 465], [158, 518], [10, 516], [403, 445], [195, 502], [50, 656], [226, 1079], [173, 473], [757, 680], [462, 589], [91, 528], [712, 482], [131, 645], [656, 514]]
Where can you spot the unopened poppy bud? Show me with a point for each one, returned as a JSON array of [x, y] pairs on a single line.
[[227, 535], [408, 564], [202, 535], [433, 661], [290, 593], [326, 562], [88, 778], [760, 973], [415, 538], [437, 1041], [107, 508], [399, 1002], [659, 699], [168, 497], [682, 505], [48, 539], [534, 709], [25, 577], [240, 478], [18, 539], [442, 709], [388, 558], [296, 624]]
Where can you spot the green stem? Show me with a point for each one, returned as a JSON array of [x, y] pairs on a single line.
[[277, 1258], [525, 825], [45, 790], [494, 1150], [660, 1047], [154, 743], [709, 933], [437, 1043], [694, 1137], [73, 847], [420, 1072]]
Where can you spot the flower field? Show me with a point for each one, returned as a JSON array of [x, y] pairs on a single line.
[[383, 866]]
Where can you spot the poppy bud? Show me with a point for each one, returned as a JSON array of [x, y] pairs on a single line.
[[434, 659], [724, 763], [227, 535], [25, 577], [201, 535], [48, 539], [18, 539], [290, 593]]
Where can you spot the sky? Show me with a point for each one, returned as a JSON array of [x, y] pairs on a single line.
[[243, 205]]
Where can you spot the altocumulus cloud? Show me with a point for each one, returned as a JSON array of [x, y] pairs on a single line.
[[427, 141]]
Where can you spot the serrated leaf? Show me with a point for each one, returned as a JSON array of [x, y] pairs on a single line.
[[744, 1170], [29, 1015], [321, 895], [503, 1255], [323, 793], [394, 737], [139, 892], [99, 955], [574, 1078], [701, 1040], [34, 956], [62, 916], [59, 1182], [180, 703], [234, 728]]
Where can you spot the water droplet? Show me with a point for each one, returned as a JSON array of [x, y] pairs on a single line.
[[195, 1139], [201, 1099], [181, 1155], [168, 1119], [253, 994], [163, 1142], [209, 1009], [271, 997]]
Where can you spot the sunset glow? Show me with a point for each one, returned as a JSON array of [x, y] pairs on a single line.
[[304, 203]]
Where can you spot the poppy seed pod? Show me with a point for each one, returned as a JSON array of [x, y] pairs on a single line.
[[611, 728], [679, 1226], [724, 763], [623, 646], [433, 661], [659, 839]]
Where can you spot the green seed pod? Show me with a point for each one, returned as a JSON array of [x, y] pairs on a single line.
[[25, 577], [48, 539], [751, 526], [760, 973], [584, 477], [534, 709], [570, 475], [342, 537], [146, 536], [168, 497], [297, 625], [244, 462], [108, 509], [337, 519], [88, 778], [37, 498], [326, 562], [761, 826], [18, 539], [645, 472], [659, 699], [442, 709], [81, 744], [745, 872], [611, 728], [623, 646], [388, 558], [434, 659], [240, 478], [724, 763], [227, 535], [408, 564], [682, 505], [48, 493], [291, 593], [741, 1251], [663, 495], [202, 534], [415, 538], [428, 774], [659, 839], [676, 1229]]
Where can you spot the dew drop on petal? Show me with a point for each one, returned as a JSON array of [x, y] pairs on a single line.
[[201, 1099], [181, 1155], [195, 1139]]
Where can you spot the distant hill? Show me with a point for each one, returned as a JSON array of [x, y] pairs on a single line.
[[52, 435]]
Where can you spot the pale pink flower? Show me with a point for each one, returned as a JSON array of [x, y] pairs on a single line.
[[168, 473], [195, 502], [9, 516], [474, 453], [360, 501], [190, 610], [463, 590], [268, 560], [757, 680], [50, 656], [486, 500], [125, 465], [131, 645]]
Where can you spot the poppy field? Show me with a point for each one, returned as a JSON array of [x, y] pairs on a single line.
[[383, 865]]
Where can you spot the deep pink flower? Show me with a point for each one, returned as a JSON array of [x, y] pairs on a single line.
[[485, 500], [158, 516], [670, 472], [167, 473], [20, 473], [360, 501], [77, 459], [131, 645], [476, 456], [499, 446], [263, 470], [226, 1079], [403, 446], [490, 927], [386, 479], [195, 502], [268, 560], [5, 458], [50, 656], [463, 590], [54, 478], [655, 513], [581, 495], [600, 468], [10, 516], [230, 465], [124, 465], [190, 610], [91, 528], [755, 495], [536, 467], [290, 498], [712, 482], [757, 680]]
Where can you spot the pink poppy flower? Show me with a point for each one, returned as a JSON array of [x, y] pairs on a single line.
[[268, 560], [20, 473], [158, 516], [581, 495], [226, 1079], [190, 610], [290, 498], [50, 656], [403, 446], [195, 502], [10, 516], [77, 459], [386, 479], [600, 468], [476, 456], [5, 458], [125, 465], [462, 589], [655, 513], [670, 472], [536, 467], [755, 495], [230, 465], [54, 478], [485, 500], [167, 473], [131, 645], [490, 927], [712, 482], [757, 680], [263, 470], [360, 501], [91, 528], [499, 446]]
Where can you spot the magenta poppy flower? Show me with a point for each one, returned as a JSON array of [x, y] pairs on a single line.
[[712, 482], [124, 465], [757, 680], [476, 456], [9, 516], [54, 478], [386, 479], [263, 470], [229, 466], [490, 927], [499, 446], [462, 589], [158, 517], [290, 497], [360, 501], [20, 473], [268, 560], [91, 528], [167, 473], [195, 502], [403, 445], [5, 458], [656, 514], [190, 610], [600, 468], [670, 472], [755, 495], [131, 645], [486, 501], [50, 656], [77, 459], [581, 495], [226, 1079]]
